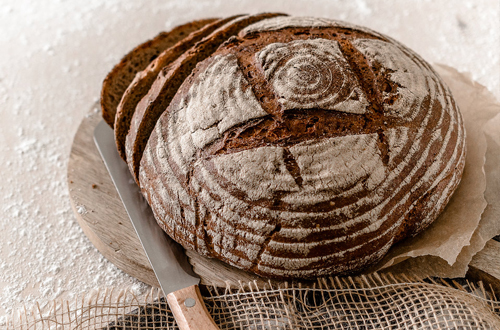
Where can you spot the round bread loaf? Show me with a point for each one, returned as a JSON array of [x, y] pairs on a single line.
[[304, 147]]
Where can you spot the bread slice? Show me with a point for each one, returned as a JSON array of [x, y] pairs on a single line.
[[169, 80], [143, 80], [117, 81]]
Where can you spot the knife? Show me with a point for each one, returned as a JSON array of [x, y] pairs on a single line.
[[167, 258]]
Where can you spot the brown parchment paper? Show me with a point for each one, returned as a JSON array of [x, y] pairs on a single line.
[[472, 217]]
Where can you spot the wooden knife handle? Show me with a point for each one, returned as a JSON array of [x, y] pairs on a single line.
[[189, 309]]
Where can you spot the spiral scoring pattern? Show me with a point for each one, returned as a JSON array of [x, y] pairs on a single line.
[[312, 74], [319, 207]]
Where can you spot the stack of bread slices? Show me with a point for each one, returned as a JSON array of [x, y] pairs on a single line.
[[291, 147], [163, 63]]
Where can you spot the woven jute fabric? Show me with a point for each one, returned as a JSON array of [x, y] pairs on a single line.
[[365, 302]]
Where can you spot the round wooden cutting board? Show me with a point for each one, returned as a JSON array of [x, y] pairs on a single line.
[[103, 218]]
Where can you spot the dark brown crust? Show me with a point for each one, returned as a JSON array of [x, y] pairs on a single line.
[[286, 128], [169, 80], [142, 82], [297, 126], [123, 73]]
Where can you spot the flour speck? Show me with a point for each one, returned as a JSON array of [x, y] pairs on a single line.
[[81, 209]]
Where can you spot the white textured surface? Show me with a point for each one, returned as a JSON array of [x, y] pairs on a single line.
[[53, 59]]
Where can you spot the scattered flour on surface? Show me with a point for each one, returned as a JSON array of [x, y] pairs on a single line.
[[55, 56]]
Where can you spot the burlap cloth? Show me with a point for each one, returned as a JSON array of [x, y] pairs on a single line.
[[365, 302], [400, 299]]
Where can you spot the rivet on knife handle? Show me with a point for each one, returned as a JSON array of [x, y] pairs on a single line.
[[194, 317]]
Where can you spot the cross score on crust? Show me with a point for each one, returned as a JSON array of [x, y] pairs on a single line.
[[288, 153]]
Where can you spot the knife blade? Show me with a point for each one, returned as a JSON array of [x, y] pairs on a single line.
[[167, 258]]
